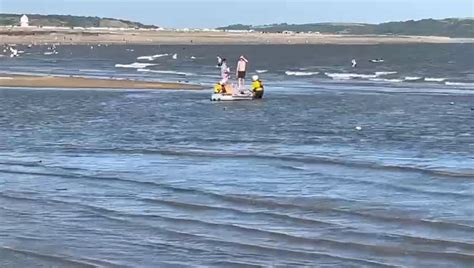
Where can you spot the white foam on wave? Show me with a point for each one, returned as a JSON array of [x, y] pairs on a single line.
[[348, 76], [413, 78], [386, 80], [460, 84], [135, 65], [433, 79], [152, 58], [384, 73], [296, 73], [164, 72], [261, 71], [50, 53]]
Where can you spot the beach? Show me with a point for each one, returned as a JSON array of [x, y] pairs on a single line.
[[25, 81], [34, 35]]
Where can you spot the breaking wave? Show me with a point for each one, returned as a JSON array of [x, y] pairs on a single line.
[[348, 76], [433, 79], [152, 58], [135, 65], [460, 84], [299, 73]]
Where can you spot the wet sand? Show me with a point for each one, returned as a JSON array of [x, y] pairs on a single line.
[[131, 36], [89, 83]]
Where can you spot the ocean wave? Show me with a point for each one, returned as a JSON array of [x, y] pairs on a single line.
[[63, 260], [135, 65], [165, 72], [152, 58], [96, 71], [433, 79], [261, 71], [413, 78], [386, 80], [460, 84], [441, 171], [50, 53], [384, 73], [192, 220], [348, 76], [299, 73]]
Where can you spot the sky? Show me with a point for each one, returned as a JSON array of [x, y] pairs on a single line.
[[214, 13]]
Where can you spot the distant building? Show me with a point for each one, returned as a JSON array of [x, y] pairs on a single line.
[[24, 21]]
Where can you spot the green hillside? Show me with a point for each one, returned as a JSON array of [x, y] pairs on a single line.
[[426, 27], [70, 21]]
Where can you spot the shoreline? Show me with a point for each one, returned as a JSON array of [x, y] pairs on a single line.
[[62, 36], [73, 82]]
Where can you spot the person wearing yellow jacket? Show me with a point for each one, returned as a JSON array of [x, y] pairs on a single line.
[[219, 88], [257, 87]]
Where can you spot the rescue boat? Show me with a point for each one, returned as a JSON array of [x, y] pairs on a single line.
[[231, 94]]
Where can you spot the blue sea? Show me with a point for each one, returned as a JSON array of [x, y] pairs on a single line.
[[337, 166]]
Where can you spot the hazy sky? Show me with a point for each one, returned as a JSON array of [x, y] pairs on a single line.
[[212, 13]]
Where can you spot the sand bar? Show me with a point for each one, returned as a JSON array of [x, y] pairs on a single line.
[[36, 35], [89, 83]]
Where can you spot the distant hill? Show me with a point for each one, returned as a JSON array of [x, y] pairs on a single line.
[[71, 21], [426, 27]]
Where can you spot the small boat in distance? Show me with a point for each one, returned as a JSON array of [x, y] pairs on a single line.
[[231, 94]]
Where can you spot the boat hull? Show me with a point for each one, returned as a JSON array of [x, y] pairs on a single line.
[[227, 97]]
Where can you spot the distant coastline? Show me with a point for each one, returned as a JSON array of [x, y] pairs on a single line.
[[84, 36], [38, 20], [65, 29], [452, 27]]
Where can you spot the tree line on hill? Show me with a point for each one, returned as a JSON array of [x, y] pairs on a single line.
[[71, 21], [425, 27]]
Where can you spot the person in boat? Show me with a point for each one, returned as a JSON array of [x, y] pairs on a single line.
[[225, 71], [241, 71], [219, 88], [257, 87]]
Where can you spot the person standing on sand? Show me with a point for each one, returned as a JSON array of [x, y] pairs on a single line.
[[241, 71]]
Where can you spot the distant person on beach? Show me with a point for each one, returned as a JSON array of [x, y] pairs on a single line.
[[241, 71]]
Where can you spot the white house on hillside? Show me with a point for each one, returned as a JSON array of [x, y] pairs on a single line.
[[24, 21]]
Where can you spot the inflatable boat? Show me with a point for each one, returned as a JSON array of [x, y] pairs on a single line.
[[231, 97], [232, 94]]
